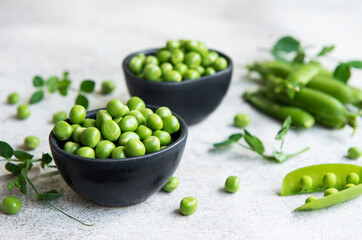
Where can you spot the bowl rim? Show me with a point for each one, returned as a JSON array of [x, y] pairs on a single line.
[[180, 139], [177, 84]]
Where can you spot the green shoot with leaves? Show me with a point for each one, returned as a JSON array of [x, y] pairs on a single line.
[[253, 143], [20, 166]]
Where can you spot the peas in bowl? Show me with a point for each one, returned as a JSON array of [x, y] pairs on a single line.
[[184, 75], [124, 156]]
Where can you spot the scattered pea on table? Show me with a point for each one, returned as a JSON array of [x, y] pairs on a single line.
[[188, 206], [31, 142], [354, 153], [11, 205], [232, 184], [171, 184], [59, 116], [13, 98], [241, 120], [108, 86], [23, 111]]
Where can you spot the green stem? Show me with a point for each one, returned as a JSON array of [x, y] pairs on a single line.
[[297, 153]]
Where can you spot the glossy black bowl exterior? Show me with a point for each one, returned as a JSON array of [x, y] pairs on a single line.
[[193, 99], [119, 182]]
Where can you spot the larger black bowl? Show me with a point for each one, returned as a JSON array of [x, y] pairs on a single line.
[[193, 99], [119, 182]]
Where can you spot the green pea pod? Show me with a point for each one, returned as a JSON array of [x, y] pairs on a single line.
[[304, 74], [334, 88], [300, 118], [333, 199], [276, 68], [326, 109], [315, 178]]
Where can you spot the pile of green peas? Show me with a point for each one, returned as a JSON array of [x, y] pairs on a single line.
[[120, 131], [178, 60]]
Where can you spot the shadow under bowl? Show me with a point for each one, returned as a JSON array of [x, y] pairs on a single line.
[[192, 99], [119, 182]]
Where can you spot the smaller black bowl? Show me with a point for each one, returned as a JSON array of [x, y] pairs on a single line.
[[193, 99], [119, 182]]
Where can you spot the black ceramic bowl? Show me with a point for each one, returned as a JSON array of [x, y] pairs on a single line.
[[119, 182], [193, 99]]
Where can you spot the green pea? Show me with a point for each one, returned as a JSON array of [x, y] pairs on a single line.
[[311, 198], [135, 148], [104, 149], [152, 144], [232, 184], [191, 45], [177, 56], [163, 112], [349, 185], [151, 60], [119, 152], [125, 137], [11, 205], [152, 72], [87, 152], [162, 147], [172, 44], [164, 56], [59, 116], [75, 126], [31, 142], [172, 76], [154, 122], [62, 130], [210, 58], [90, 137], [191, 74], [77, 133], [108, 86], [71, 147], [101, 118], [23, 111], [306, 182], [136, 103], [142, 57], [77, 114], [192, 59], [100, 112], [117, 120], [116, 108], [128, 124], [329, 180], [202, 48], [200, 69], [170, 124], [110, 130], [146, 112], [165, 137], [13, 98], [181, 68], [220, 64], [143, 132], [209, 71], [354, 153], [138, 115], [136, 65], [353, 178], [88, 122], [330, 191], [241, 120], [188, 206], [171, 184], [166, 67]]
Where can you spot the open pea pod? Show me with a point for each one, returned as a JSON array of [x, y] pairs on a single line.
[[320, 177], [333, 199]]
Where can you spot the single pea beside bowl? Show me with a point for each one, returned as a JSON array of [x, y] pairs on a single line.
[[119, 182], [193, 93]]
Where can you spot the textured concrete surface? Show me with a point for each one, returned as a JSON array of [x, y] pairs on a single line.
[[90, 38]]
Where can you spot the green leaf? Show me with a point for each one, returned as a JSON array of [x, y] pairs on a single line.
[[6, 151], [355, 64], [23, 187], [280, 156], [254, 143], [18, 167], [82, 100], [10, 167], [52, 194], [10, 186], [52, 84], [38, 81], [87, 86], [21, 155], [232, 138], [342, 72], [287, 44], [63, 87], [17, 181], [325, 50], [285, 128], [299, 58], [37, 97], [45, 159]]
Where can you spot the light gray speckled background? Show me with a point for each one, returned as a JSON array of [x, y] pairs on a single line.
[[90, 38]]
